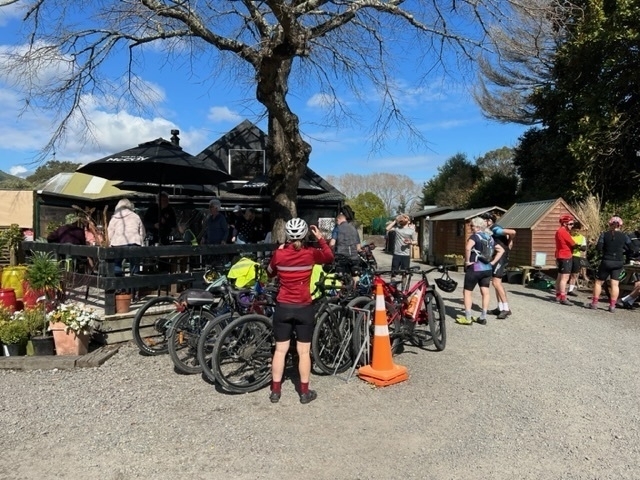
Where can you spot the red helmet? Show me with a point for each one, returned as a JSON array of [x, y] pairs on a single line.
[[565, 219], [615, 219]]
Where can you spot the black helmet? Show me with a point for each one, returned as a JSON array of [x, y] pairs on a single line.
[[446, 283]]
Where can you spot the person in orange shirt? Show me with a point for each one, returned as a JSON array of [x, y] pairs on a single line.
[[564, 257]]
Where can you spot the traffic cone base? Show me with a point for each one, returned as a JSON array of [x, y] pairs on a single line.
[[383, 378], [382, 371]]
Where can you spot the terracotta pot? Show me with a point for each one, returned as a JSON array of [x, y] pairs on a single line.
[[69, 343], [123, 302]]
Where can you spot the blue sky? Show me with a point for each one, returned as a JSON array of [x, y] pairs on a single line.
[[442, 110]]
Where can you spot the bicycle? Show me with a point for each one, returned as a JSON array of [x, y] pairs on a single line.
[[258, 300], [420, 322], [151, 325], [330, 344]]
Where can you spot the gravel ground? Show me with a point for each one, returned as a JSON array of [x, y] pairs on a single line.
[[550, 393]]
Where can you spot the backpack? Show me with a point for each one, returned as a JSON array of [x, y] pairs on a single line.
[[487, 247]]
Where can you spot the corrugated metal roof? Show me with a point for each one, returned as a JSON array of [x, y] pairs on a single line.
[[525, 215], [466, 214], [427, 212]]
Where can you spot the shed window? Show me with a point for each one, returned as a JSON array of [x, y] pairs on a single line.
[[460, 229]]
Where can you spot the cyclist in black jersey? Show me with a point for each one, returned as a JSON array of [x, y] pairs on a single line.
[[612, 244]]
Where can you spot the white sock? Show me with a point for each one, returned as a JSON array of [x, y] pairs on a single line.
[[501, 306], [506, 306], [571, 287]]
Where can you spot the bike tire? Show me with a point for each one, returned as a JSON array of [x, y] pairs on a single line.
[[241, 359], [437, 319], [151, 324], [330, 354], [360, 330], [183, 340], [208, 339]]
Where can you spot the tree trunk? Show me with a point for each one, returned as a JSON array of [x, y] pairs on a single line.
[[287, 152]]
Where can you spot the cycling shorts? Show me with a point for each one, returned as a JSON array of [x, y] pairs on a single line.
[[609, 268], [500, 268], [473, 278], [289, 317], [576, 265], [564, 265]]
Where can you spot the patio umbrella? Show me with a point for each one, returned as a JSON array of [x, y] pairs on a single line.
[[160, 162], [190, 190], [260, 186]]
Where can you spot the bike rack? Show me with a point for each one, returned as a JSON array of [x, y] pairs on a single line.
[[364, 347]]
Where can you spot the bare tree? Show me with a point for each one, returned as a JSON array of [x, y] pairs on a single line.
[[394, 190], [262, 41], [524, 51]]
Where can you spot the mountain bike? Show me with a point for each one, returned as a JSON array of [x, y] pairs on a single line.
[[420, 321]]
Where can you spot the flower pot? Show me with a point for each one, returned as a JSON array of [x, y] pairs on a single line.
[[123, 302], [8, 298], [43, 345], [69, 343], [14, 349], [12, 277]]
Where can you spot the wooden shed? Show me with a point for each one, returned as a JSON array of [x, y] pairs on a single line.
[[451, 230], [535, 224]]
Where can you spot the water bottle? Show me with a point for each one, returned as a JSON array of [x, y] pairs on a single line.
[[413, 303]]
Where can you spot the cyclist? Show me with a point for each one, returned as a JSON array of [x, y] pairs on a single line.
[[504, 238], [345, 242], [478, 269], [403, 240], [612, 244], [577, 257], [292, 263], [564, 247]]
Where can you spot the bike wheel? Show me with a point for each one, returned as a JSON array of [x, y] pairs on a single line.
[[208, 339], [151, 324], [361, 330], [330, 343], [183, 340], [436, 315], [241, 359]]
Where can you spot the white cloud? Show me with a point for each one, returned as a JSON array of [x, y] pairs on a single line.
[[320, 100], [11, 12], [18, 171], [223, 114]]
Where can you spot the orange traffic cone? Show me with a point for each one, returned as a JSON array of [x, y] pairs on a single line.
[[382, 371]]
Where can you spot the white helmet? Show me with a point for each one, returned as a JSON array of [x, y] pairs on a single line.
[[296, 229]]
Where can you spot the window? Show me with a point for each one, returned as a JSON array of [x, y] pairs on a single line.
[[247, 164], [460, 228]]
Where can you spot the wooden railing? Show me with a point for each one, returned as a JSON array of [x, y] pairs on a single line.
[[105, 258]]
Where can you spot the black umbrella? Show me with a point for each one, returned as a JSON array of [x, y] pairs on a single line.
[[190, 190], [260, 186], [160, 162]]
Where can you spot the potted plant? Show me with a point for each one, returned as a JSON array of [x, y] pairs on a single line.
[[36, 321], [43, 276], [123, 301], [71, 324], [13, 334]]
